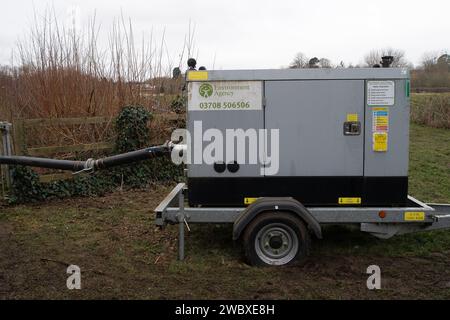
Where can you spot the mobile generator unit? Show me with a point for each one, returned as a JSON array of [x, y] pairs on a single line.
[[342, 158], [293, 150]]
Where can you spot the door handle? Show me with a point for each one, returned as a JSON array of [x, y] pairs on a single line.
[[352, 128]]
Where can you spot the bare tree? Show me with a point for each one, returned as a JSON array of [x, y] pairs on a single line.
[[325, 63], [300, 61], [444, 60], [429, 60], [374, 57]]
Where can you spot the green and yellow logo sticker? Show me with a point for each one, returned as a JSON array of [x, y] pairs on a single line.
[[206, 90]]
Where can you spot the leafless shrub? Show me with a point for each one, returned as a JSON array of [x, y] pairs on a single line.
[[7, 84], [433, 72], [431, 110], [63, 72]]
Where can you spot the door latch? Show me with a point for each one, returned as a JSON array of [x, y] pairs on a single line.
[[352, 128]]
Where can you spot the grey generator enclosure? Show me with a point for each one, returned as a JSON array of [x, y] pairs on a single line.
[[343, 136]]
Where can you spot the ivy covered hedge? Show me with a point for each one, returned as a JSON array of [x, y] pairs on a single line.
[[132, 133]]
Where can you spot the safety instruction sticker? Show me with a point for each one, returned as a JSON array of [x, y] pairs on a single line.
[[249, 200], [344, 200], [380, 129], [352, 117], [380, 119], [197, 75], [414, 216], [380, 93], [380, 141]]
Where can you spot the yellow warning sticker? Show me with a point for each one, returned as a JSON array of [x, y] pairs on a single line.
[[198, 75], [249, 200], [414, 216], [349, 200], [352, 117], [380, 141]]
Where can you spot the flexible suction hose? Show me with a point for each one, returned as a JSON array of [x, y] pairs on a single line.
[[90, 164]]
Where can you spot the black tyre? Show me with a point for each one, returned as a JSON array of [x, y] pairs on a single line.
[[276, 239]]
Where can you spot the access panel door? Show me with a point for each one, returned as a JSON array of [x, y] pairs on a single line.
[[228, 113], [321, 126]]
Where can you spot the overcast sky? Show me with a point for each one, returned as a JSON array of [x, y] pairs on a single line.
[[257, 33]]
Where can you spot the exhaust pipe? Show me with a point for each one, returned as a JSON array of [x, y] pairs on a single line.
[[386, 61]]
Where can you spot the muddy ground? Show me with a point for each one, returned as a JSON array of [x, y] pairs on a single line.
[[122, 255]]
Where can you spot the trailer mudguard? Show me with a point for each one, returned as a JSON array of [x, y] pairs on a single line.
[[275, 204]]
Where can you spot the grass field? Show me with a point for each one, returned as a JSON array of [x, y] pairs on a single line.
[[431, 109], [122, 255]]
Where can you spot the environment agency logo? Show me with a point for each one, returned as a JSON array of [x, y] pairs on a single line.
[[206, 90]]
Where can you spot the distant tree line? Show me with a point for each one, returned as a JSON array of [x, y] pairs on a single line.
[[302, 61], [432, 72]]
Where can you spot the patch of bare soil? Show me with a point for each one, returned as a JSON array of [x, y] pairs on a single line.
[[122, 255]]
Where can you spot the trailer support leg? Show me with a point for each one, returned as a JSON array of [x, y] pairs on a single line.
[[181, 218]]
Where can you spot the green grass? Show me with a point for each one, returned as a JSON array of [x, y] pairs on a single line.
[[431, 109], [429, 174]]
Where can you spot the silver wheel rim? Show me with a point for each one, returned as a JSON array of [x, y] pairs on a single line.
[[276, 244]]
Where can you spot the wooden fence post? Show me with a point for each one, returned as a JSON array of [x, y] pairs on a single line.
[[6, 177], [19, 147]]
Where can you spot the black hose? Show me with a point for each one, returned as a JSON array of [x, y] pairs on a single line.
[[90, 164], [43, 163], [132, 156]]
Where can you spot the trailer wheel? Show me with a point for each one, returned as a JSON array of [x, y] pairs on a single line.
[[276, 239]]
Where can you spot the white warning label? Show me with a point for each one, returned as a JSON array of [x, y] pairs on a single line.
[[380, 93]]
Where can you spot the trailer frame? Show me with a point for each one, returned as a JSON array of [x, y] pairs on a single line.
[[382, 222]]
